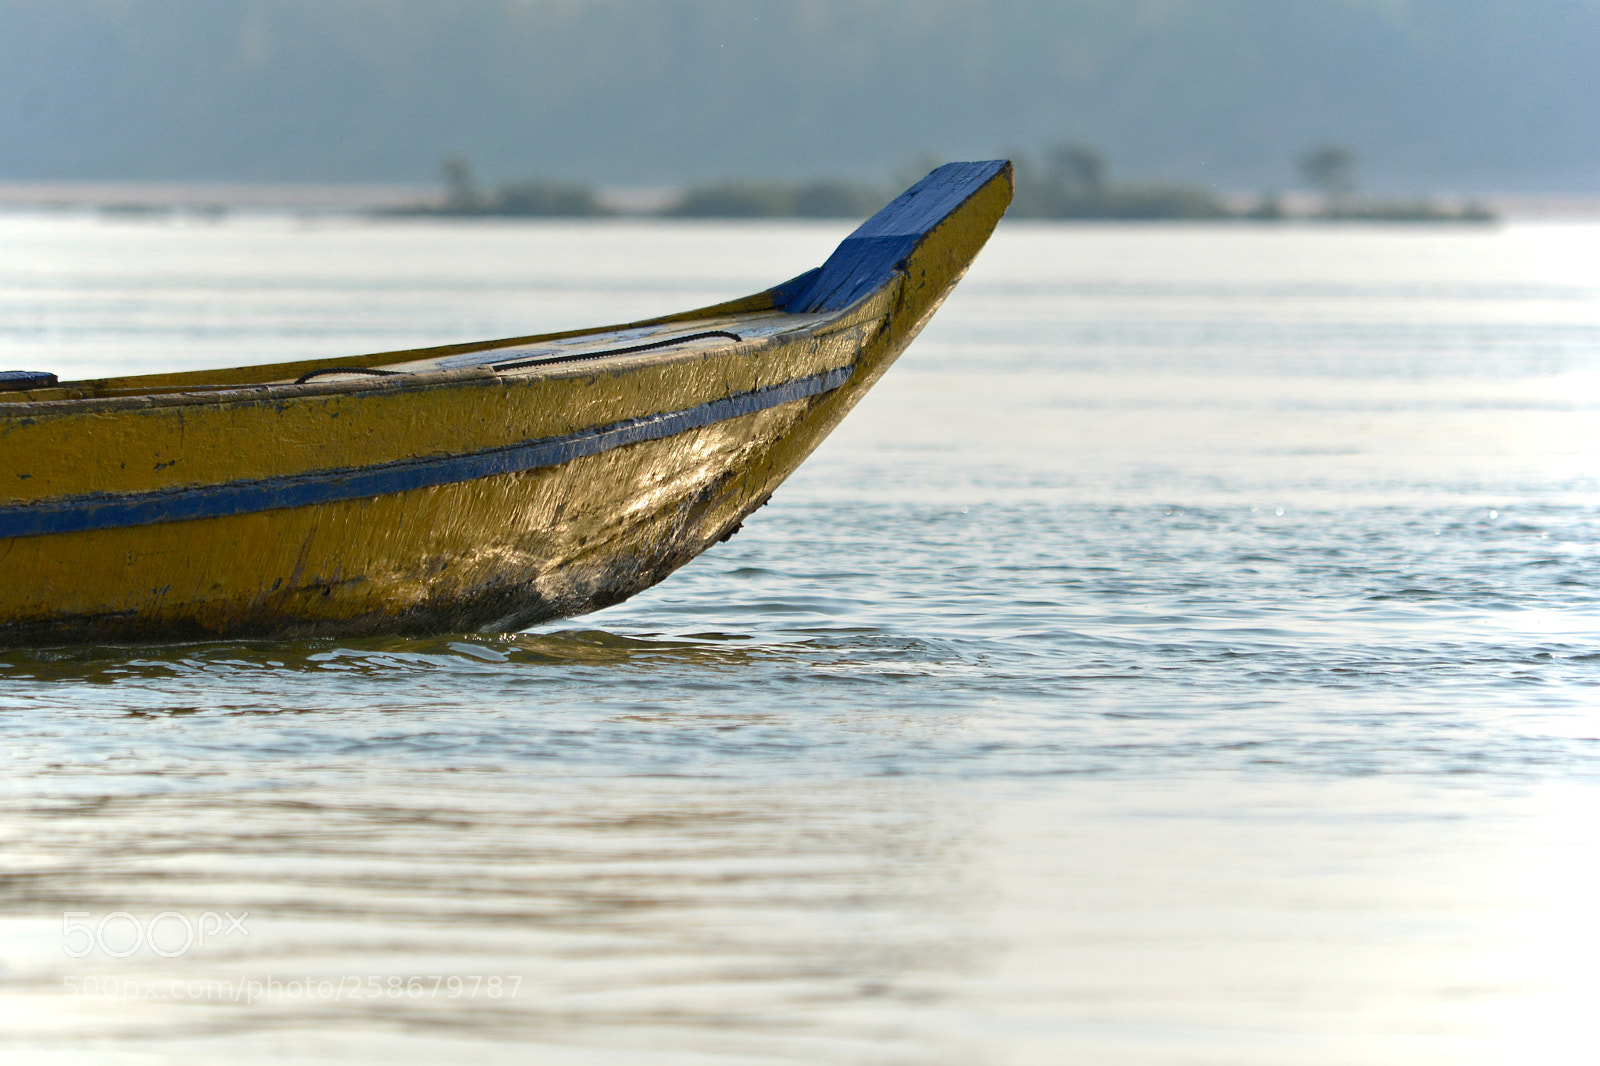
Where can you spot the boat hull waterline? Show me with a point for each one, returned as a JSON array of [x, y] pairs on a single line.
[[482, 487]]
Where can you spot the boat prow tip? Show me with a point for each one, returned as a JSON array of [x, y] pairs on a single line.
[[880, 247]]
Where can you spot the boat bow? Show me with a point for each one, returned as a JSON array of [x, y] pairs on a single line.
[[481, 486]]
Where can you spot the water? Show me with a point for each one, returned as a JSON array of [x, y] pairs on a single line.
[[1187, 654]]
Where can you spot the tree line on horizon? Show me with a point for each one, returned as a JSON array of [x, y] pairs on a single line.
[[1072, 182]]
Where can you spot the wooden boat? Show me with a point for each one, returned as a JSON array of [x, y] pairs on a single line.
[[475, 487]]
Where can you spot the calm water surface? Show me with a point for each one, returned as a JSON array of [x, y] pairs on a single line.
[[1188, 654]]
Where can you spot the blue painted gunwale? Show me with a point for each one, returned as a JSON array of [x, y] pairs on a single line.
[[76, 514]]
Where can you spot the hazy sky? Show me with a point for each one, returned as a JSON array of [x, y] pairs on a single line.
[[1475, 95]]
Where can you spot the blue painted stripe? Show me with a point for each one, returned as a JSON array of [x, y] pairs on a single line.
[[105, 511], [23, 380], [870, 256]]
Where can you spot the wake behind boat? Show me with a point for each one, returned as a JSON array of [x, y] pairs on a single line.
[[475, 487]]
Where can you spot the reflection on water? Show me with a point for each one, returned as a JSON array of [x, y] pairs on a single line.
[[1187, 654], [372, 655], [719, 916], [395, 917]]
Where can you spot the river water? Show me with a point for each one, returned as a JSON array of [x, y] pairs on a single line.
[[1187, 654]]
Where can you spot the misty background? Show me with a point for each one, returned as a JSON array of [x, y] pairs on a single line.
[[1453, 95]]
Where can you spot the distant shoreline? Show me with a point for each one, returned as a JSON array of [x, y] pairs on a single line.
[[621, 201]]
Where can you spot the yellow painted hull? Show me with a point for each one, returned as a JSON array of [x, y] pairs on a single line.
[[437, 497]]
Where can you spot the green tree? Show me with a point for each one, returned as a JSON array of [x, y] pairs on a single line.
[[460, 191], [558, 199], [1076, 171], [1330, 168]]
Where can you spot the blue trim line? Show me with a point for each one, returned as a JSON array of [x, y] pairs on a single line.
[[76, 514], [870, 256], [25, 379]]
